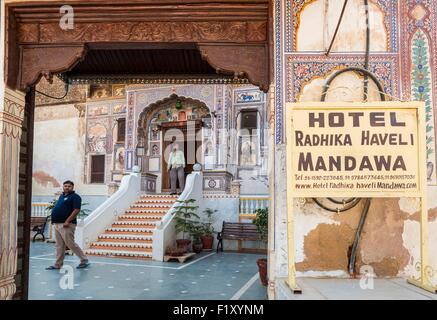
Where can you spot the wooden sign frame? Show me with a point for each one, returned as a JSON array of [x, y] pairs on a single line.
[[419, 107]]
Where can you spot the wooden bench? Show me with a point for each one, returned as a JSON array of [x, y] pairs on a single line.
[[237, 231], [38, 225]]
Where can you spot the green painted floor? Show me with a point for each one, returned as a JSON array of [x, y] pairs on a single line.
[[209, 276]]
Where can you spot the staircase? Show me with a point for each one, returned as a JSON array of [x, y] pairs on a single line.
[[130, 236]]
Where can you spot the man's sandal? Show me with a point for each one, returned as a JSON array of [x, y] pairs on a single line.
[[52, 268], [83, 265]]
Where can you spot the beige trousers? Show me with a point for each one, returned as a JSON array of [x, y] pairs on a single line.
[[65, 237]]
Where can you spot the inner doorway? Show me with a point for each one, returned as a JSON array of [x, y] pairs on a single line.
[[187, 143], [172, 119]]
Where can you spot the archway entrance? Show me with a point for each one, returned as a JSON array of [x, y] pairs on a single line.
[[172, 120], [233, 37]]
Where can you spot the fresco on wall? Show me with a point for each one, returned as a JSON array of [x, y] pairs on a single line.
[[100, 91], [119, 91], [119, 108], [248, 96], [155, 150], [99, 110], [119, 159], [172, 113], [97, 138], [248, 151]]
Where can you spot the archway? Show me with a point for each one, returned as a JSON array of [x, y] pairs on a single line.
[[174, 117]]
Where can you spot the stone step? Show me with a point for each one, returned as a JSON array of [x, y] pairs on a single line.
[[119, 254], [134, 231], [140, 211], [138, 217], [122, 246], [125, 238], [150, 207], [128, 224], [159, 196], [158, 214], [163, 202], [153, 204]]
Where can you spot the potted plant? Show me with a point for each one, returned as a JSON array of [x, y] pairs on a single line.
[[174, 252], [261, 222], [184, 213], [196, 232], [208, 229]]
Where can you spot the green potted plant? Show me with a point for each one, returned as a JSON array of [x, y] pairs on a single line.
[[184, 215], [196, 232], [208, 229], [261, 222]]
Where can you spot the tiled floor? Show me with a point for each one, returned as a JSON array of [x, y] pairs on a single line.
[[209, 276]]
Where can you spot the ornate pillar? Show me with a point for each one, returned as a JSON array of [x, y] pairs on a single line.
[[11, 119]]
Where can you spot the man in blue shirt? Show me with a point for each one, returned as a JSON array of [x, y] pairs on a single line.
[[64, 220]]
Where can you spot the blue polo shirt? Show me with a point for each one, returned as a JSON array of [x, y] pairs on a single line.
[[65, 206]]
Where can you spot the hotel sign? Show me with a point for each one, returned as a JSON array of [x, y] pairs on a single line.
[[355, 149]]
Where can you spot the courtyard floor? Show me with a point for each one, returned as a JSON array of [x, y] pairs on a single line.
[[209, 276], [350, 289]]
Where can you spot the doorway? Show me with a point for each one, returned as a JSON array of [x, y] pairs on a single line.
[[187, 143]]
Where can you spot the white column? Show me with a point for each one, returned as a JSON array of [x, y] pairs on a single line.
[[11, 119]]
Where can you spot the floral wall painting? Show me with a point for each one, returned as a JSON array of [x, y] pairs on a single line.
[[421, 90]]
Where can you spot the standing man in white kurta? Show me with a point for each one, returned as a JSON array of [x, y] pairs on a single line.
[[176, 165]]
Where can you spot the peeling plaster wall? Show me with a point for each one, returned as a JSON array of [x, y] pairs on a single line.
[[319, 19], [59, 154]]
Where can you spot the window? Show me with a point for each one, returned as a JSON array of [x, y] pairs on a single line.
[[249, 120], [121, 130], [248, 138], [98, 169]]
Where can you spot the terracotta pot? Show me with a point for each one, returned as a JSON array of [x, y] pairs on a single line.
[[183, 244], [207, 242], [197, 247], [262, 268]]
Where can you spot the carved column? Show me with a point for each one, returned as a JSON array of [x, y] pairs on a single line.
[[11, 118]]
